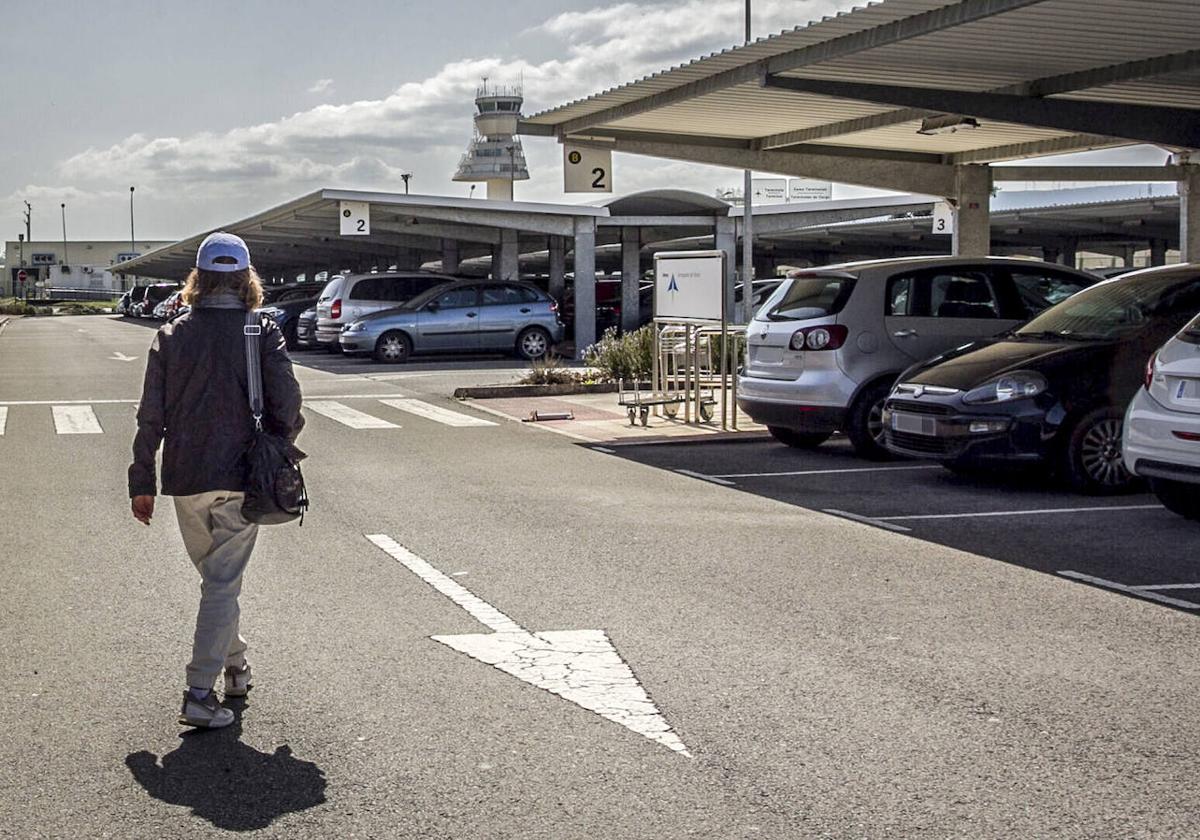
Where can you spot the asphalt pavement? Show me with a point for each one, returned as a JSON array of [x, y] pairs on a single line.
[[825, 677]]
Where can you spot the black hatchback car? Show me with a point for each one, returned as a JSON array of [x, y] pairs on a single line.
[[1052, 392]]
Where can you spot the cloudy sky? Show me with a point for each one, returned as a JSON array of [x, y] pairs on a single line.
[[215, 110]]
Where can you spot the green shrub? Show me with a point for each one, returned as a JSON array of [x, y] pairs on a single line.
[[12, 306], [628, 356], [550, 371]]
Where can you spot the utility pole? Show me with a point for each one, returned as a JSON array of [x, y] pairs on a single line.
[[132, 246], [28, 215], [747, 224], [405, 176], [64, 218]]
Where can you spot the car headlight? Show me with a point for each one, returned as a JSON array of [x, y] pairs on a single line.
[[356, 326], [1011, 386]]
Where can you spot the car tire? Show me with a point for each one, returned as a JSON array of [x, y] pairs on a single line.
[[864, 422], [1091, 460], [1178, 497], [798, 440], [393, 348], [533, 343]]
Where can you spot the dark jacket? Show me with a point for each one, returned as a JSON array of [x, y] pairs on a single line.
[[194, 400]]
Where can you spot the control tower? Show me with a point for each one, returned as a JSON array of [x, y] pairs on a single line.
[[495, 155]]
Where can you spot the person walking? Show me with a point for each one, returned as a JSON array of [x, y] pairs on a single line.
[[194, 402]]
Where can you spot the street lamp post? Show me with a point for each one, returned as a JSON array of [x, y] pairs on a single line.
[[64, 220], [405, 176], [132, 246], [28, 215], [747, 223]]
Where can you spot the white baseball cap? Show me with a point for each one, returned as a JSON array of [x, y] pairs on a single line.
[[223, 251]]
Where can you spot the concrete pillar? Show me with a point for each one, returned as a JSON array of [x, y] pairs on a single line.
[[631, 275], [1069, 255], [450, 256], [1127, 254], [972, 222], [557, 247], [1051, 254], [1158, 252], [509, 257], [725, 239], [1189, 214], [585, 284]]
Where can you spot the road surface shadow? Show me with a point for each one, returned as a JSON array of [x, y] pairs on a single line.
[[232, 785]]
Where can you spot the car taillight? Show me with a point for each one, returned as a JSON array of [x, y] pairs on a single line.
[[829, 337], [1149, 378], [553, 306], [335, 309]]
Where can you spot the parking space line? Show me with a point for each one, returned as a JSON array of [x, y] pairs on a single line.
[[828, 472], [75, 420], [703, 477], [3, 418], [1135, 591], [866, 520], [604, 449], [437, 414], [348, 416], [1038, 512], [1168, 586]]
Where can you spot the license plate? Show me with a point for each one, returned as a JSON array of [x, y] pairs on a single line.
[[914, 424], [768, 355]]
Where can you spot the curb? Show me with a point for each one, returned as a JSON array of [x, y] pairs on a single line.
[[485, 392], [4, 319]]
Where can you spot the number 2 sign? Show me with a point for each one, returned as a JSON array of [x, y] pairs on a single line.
[[355, 218], [586, 169]]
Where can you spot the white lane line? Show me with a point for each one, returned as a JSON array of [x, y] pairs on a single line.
[[581, 666], [828, 472], [1168, 586], [3, 418], [703, 477], [866, 520], [604, 449], [1038, 512], [75, 420], [1136, 591], [348, 416], [68, 402], [438, 414]]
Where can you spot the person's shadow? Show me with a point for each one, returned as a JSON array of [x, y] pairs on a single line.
[[230, 784]]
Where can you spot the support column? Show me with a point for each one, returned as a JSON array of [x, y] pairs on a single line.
[[450, 256], [557, 246], [1158, 252], [1189, 214], [631, 275], [585, 284], [972, 222], [509, 257], [1051, 254], [1070, 253], [407, 259], [725, 239]]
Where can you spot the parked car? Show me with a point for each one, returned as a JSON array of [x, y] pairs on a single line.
[[462, 316], [154, 295], [1053, 392], [122, 307], [1161, 440], [306, 329], [826, 347], [358, 295], [136, 295], [285, 304]]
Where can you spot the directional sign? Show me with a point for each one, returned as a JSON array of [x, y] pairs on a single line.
[[943, 219], [355, 218], [581, 666], [689, 284], [586, 169]]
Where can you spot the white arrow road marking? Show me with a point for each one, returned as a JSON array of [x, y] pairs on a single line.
[[578, 665], [75, 420], [118, 356]]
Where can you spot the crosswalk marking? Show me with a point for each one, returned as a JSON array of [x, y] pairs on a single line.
[[348, 416], [75, 420], [437, 413], [3, 418]]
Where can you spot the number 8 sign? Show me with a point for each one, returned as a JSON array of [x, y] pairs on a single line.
[[587, 169]]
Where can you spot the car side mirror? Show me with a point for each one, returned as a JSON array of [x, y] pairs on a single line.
[[432, 306]]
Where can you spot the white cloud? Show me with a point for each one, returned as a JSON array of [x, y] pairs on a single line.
[[205, 178]]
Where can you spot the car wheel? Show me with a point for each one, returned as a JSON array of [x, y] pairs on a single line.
[[864, 422], [533, 343], [393, 348], [1178, 497], [798, 440], [1092, 462]]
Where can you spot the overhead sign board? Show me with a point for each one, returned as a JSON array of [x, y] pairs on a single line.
[[769, 190], [355, 218], [42, 259], [689, 284], [807, 189], [587, 169], [943, 219]]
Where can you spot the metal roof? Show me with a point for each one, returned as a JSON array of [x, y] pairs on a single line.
[[1136, 55]]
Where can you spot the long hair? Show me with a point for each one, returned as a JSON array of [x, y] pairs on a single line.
[[245, 284]]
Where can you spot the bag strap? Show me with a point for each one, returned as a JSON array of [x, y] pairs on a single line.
[[252, 330]]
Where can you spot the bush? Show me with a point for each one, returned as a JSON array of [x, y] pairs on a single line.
[[628, 356], [550, 371], [12, 306]]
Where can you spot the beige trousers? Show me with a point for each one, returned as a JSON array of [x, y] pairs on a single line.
[[219, 541]]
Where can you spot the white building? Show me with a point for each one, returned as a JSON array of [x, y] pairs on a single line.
[[70, 265]]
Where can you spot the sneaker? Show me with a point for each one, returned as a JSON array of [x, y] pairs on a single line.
[[237, 682], [206, 713]]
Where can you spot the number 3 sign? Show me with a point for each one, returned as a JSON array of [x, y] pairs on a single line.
[[355, 217], [586, 169]]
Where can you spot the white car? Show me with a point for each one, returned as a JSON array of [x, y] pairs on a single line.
[[1162, 424]]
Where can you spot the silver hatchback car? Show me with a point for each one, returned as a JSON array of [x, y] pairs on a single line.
[[463, 316], [825, 349]]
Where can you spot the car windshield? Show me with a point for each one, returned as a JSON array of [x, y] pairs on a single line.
[[331, 288], [808, 296], [424, 298], [1118, 308]]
